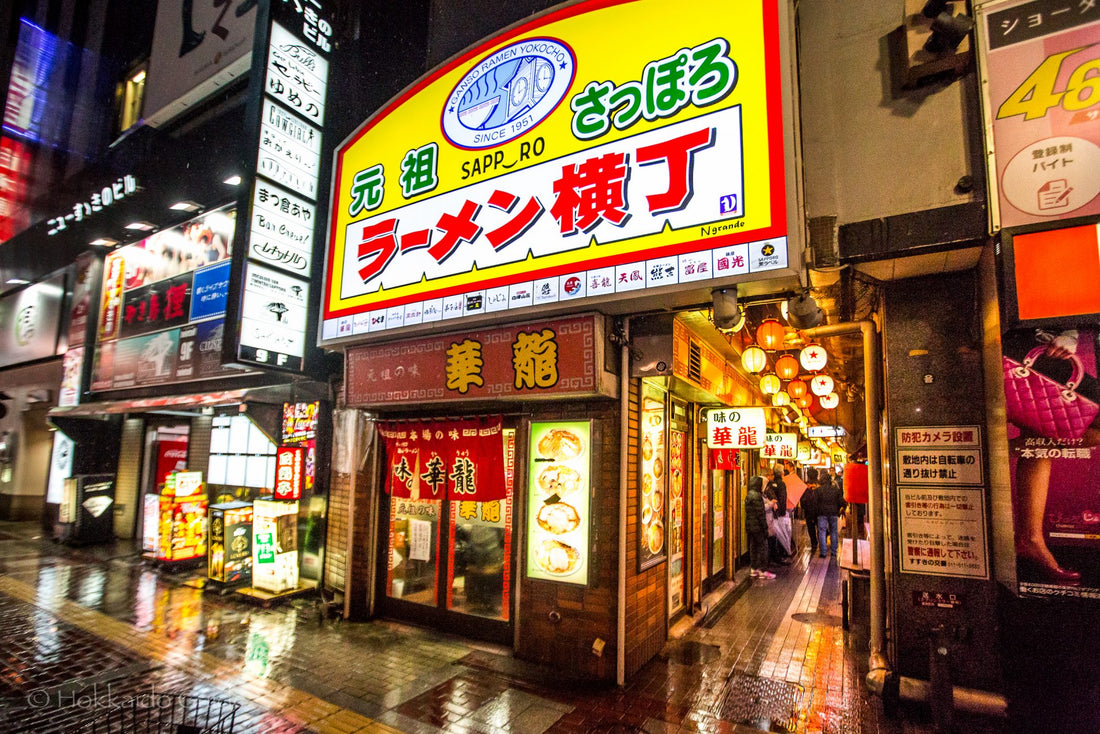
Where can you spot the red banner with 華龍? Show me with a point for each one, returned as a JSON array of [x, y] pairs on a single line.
[[445, 460]]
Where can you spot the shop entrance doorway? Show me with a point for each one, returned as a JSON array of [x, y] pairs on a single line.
[[166, 450], [701, 512], [450, 564]]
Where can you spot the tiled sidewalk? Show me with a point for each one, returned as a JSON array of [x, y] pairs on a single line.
[[772, 656]]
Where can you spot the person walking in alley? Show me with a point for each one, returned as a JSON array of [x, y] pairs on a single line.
[[808, 504], [756, 526], [779, 543], [830, 503]]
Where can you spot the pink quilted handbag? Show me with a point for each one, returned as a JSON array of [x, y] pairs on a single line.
[[1036, 403]]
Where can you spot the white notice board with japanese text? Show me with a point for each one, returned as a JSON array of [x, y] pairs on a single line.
[[941, 501]]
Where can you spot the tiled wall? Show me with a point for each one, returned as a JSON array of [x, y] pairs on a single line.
[[587, 613], [646, 592]]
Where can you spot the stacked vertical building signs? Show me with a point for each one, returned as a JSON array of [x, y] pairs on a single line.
[[273, 315]]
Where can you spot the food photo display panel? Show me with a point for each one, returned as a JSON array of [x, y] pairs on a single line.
[[652, 472], [558, 501]]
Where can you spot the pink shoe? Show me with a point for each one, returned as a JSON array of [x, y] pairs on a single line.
[[767, 575]]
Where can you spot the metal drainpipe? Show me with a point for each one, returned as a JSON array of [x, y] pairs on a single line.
[[880, 678], [879, 666], [624, 458]]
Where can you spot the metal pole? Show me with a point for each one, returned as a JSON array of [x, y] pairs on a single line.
[[624, 459], [872, 358]]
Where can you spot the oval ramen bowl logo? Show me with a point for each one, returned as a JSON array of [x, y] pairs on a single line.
[[508, 93]]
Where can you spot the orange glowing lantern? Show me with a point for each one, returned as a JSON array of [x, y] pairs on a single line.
[[770, 384], [796, 389], [754, 360], [780, 399], [786, 367], [770, 334], [805, 402]]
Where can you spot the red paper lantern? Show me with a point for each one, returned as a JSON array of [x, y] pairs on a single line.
[[786, 367], [796, 389], [855, 483], [770, 334]]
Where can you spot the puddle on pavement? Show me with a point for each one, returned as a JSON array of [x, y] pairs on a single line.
[[829, 620], [687, 652]]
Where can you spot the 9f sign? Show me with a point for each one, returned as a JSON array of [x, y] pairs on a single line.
[[262, 355]]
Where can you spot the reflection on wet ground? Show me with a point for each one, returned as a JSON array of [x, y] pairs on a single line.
[[87, 628]]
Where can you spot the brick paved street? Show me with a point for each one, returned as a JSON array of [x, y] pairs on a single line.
[[87, 628]]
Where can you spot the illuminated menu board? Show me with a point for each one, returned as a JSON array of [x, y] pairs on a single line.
[[652, 476], [558, 494], [275, 546]]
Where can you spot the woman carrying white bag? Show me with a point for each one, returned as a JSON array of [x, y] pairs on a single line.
[[779, 522]]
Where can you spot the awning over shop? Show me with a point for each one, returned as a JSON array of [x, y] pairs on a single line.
[[143, 405]]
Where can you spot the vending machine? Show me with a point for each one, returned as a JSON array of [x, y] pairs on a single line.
[[275, 546], [229, 559], [182, 518]]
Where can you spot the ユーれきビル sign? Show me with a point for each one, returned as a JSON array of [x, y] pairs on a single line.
[[602, 150]]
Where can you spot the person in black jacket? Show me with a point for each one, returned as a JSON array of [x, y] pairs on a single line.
[[756, 527], [808, 505], [830, 503], [776, 489]]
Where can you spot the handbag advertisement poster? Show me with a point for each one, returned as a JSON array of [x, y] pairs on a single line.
[[1052, 399]]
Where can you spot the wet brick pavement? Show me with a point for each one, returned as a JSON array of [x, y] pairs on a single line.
[[83, 628]]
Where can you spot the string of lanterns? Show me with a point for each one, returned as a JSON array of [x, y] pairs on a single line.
[[770, 336], [800, 393]]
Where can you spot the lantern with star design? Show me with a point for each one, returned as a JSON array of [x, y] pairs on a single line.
[[821, 385], [813, 357]]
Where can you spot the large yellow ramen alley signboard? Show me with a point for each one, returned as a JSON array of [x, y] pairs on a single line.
[[603, 149]]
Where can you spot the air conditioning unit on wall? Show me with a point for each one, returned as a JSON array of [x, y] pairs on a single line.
[[933, 41]]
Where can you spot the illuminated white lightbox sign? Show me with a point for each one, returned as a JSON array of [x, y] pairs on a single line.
[[780, 446], [273, 316], [736, 428]]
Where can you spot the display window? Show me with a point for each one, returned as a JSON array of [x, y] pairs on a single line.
[[241, 454], [479, 572], [718, 520], [414, 551], [677, 503], [449, 556]]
